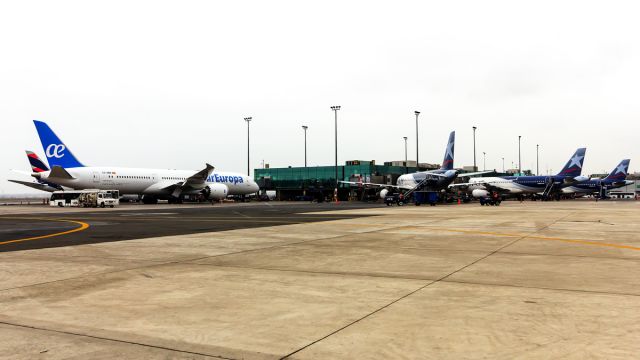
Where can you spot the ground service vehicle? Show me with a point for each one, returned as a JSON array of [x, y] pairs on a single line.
[[85, 198]]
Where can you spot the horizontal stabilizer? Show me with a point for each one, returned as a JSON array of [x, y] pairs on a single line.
[[35, 185], [60, 173]]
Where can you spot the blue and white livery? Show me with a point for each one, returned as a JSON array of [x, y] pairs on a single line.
[[521, 185], [429, 181], [152, 184], [615, 179]]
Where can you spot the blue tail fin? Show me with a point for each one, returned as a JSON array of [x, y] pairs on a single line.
[[574, 165], [55, 150], [447, 163], [37, 165], [620, 172]]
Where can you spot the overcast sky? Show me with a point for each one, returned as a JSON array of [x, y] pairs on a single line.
[[167, 84]]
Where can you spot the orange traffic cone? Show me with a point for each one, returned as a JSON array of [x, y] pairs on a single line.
[[458, 201]]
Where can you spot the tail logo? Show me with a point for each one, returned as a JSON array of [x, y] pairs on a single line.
[[55, 150], [449, 150], [575, 160], [621, 169]]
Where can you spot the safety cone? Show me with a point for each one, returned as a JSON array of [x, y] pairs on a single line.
[[458, 201]]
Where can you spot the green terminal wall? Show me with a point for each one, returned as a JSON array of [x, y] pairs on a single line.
[[303, 177]]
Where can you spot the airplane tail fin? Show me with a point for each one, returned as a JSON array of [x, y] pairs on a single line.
[[620, 172], [55, 150], [447, 163], [37, 165], [574, 165]]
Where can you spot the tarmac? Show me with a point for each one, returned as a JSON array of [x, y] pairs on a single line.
[[322, 281]]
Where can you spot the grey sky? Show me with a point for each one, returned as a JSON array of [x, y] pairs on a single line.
[[167, 84]]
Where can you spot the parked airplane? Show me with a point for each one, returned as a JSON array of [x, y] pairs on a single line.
[[432, 180], [37, 166], [152, 184], [615, 179], [520, 185]]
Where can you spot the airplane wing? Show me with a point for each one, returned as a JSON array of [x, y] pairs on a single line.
[[194, 181], [200, 177], [376, 185], [35, 185], [435, 174], [490, 186], [476, 173], [463, 185]]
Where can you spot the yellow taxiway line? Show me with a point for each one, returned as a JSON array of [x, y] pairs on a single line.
[[83, 226], [532, 236]]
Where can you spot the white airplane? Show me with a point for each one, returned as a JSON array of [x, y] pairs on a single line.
[[521, 185], [615, 179], [432, 180], [152, 184]]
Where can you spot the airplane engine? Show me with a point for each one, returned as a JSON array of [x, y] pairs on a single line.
[[383, 193], [215, 191], [479, 193]]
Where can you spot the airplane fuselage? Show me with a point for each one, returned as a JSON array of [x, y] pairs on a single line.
[[433, 183], [521, 184], [593, 186], [148, 181]]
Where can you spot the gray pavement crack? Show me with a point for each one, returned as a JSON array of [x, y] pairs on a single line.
[[113, 340], [422, 288]]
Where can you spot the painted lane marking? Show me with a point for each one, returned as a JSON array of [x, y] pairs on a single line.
[[537, 237], [83, 226]]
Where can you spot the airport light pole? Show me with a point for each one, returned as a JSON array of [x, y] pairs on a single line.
[[248, 120], [417, 142], [335, 112], [406, 166], [484, 161], [519, 157], [474, 149], [305, 127], [503, 165], [537, 159]]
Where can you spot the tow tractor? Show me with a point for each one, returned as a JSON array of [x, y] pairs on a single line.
[[397, 199], [493, 199]]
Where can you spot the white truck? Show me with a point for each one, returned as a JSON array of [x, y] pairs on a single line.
[[85, 198]]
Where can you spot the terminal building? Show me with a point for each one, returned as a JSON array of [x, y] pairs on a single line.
[[314, 182]]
